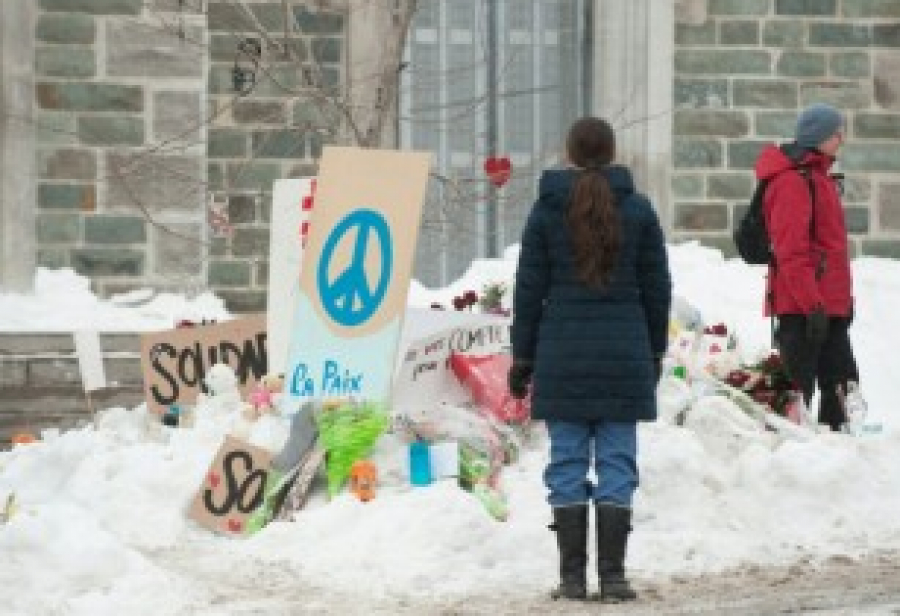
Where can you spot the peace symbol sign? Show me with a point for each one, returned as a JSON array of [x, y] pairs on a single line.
[[348, 299]]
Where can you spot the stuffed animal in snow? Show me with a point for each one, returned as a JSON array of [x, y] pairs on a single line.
[[264, 397]]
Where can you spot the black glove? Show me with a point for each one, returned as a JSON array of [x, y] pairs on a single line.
[[817, 326], [657, 367], [519, 377]]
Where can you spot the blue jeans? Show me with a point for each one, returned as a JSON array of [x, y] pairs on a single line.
[[615, 462]]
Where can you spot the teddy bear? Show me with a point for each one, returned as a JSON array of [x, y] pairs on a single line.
[[264, 397]]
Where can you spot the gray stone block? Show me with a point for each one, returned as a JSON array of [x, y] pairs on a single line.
[[261, 274], [106, 229], [696, 153], [250, 243], [180, 252], [722, 62], [215, 177], [108, 262], [191, 7], [743, 154], [769, 94], [887, 80], [871, 8], [711, 123], [89, 97], [230, 18], [847, 95], [851, 64], [889, 206], [259, 112], [327, 49], [779, 124], [857, 219], [123, 371], [870, 157], [801, 64], [242, 208], [783, 33], [318, 22], [67, 197], [52, 128], [857, 189], [739, 33], [701, 216], [94, 7], [158, 183], [886, 35], [53, 372], [887, 248], [111, 130], [839, 35], [695, 34], [687, 186], [177, 115], [58, 228], [700, 93], [252, 176], [65, 28], [136, 49], [229, 274], [876, 126], [226, 143], [731, 186], [279, 143], [738, 7], [13, 343], [806, 7], [66, 164], [310, 114], [71, 62], [13, 372]]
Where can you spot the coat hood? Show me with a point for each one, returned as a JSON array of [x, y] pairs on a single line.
[[773, 160], [558, 182]]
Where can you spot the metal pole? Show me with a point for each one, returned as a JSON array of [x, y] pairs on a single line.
[[491, 210]]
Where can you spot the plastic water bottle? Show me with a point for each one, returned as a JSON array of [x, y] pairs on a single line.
[[856, 409], [419, 463]]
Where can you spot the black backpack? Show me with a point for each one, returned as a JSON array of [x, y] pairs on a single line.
[[751, 238]]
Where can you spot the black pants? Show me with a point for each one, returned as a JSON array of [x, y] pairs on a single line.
[[832, 363]]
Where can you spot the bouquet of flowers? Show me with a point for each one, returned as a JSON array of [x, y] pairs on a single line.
[[767, 383]]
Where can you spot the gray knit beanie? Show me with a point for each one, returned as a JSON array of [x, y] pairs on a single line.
[[816, 124]]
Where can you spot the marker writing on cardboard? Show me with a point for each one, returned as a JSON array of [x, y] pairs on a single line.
[[335, 381]]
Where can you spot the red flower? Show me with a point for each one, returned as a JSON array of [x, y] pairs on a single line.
[[470, 297], [737, 378], [459, 303], [716, 330]]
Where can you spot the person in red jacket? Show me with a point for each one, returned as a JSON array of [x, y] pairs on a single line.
[[809, 287]]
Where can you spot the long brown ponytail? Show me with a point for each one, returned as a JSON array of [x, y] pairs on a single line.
[[592, 217]]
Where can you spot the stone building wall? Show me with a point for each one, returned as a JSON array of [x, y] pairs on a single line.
[[120, 89], [276, 130], [744, 68], [140, 129]]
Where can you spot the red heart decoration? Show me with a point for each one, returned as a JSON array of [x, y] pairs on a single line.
[[214, 479], [498, 170], [235, 526]]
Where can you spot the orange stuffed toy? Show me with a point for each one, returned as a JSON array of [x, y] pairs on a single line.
[[363, 478]]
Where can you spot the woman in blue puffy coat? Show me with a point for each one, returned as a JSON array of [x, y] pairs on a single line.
[[590, 327]]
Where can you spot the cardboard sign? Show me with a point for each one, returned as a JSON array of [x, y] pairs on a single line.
[[233, 488], [90, 360], [425, 378], [355, 275], [292, 203], [174, 362]]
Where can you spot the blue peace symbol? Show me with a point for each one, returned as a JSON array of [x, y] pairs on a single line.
[[348, 299]]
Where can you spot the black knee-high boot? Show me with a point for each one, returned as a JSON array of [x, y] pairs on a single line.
[[571, 526], [613, 526]]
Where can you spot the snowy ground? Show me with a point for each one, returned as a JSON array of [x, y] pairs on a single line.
[[725, 520]]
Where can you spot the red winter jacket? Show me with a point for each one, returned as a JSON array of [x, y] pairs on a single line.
[[812, 266]]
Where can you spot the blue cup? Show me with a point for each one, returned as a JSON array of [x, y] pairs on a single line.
[[419, 464]]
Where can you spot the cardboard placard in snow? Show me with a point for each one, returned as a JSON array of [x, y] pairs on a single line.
[[292, 203], [354, 279], [233, 487], [174, 362], [425, 378]]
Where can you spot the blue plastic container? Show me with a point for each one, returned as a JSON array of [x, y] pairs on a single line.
[[419, 464]]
